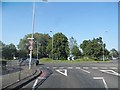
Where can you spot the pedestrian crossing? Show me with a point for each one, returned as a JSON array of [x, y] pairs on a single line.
[[77, 67]]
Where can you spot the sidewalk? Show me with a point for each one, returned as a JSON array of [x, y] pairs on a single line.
[[15, 75]]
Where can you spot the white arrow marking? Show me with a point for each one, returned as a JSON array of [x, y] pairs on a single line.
[[102, 80], [60, 71], [110, 72]]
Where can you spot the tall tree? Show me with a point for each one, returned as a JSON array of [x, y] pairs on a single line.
[[72, 43], [94, 48], [9, 51], [60, 46], [114, 53], [40, 39], [76, 52]]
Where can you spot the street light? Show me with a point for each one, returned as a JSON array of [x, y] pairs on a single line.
[[52, 44], [31, 39], [104, 49]]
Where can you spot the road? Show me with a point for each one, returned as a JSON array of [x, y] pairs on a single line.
[[79, 75]]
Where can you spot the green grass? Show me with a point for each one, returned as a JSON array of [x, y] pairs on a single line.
[[44, 60]]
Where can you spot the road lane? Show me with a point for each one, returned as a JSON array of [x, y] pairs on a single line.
[[77, 77]]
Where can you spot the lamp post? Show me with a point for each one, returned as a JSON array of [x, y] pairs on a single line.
[[104, 48], [31, 39], [52, 44]]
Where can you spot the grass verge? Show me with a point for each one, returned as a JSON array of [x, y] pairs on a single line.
[[44, 60]]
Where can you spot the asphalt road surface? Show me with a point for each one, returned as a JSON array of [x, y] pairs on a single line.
[[80, 75]]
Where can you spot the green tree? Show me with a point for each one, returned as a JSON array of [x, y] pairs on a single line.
[[42, 39], [94, 48], [9, 51], [60, 46], [72, 43], [76, 52], [114, 53]]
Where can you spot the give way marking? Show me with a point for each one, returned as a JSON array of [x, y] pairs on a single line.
[[110, 72], [102, 80], [62, 71]]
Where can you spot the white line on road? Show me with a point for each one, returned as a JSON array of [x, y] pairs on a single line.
[[110, 72], [61, 67], [77, 67], [54, 67], [47, 67], [102, 80], [34, 84], [113, 67], [85, 70], [103, 67], [94, 67], [63, 73], [70, 67]]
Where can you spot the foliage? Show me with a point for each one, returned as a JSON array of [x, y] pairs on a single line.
[[40, 39], [114, 53], [76, 52], [94, 48], [60, 46], [9, 51]]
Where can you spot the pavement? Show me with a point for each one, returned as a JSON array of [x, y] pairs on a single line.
[[13, 76], [102, 75]]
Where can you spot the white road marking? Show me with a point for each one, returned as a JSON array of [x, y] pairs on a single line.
[[103, 67], [113, 67], [94, 67], [70, 67], [77, 67], [85, 70], [34, 84], [47, 67], [61, 67], [110, 72], [102, 80], [54, 67], [63, 73]]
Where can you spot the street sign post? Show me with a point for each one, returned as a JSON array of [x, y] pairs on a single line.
[[30, 48]]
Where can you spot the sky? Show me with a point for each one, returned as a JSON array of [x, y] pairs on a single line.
[[82, 20]]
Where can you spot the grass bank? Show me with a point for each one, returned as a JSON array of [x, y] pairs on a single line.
[[44, 60]]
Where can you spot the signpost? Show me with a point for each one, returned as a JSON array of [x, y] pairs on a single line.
[[30, 48]]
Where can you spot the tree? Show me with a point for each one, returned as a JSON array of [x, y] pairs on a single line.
[[94, 48], [2, 45], [72, 43], [76, 52], [9, 51], [42, 39], [114, 53], [60, 46]]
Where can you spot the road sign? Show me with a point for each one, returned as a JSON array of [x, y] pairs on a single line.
[[30, 48], [31, 42]]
